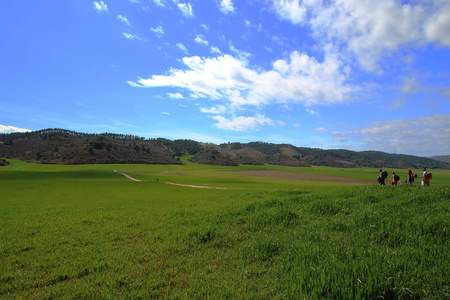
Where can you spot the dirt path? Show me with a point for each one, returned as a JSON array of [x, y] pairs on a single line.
[[198, 186], [127, 176], [303, 176], [276, 175]]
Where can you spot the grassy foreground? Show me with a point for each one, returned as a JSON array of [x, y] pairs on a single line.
[[87, 232]]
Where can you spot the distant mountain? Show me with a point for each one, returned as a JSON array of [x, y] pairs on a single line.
[[60, 146], [444, 158]]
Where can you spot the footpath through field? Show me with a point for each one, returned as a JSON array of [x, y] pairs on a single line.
[[127, 176], [304, 176]]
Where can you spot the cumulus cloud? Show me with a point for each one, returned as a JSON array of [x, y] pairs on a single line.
[[226, 6], [100, 6], [370, 30], [423, 136], [186, 9], [11, 129], [301, 79]]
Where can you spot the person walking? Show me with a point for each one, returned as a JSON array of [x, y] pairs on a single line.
[[382, 177], [425, 177], [395, 179], [410, 179]]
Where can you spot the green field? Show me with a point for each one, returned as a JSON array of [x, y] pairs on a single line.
[[87, 232]]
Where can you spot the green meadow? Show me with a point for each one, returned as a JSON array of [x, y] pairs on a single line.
[[85, 231]]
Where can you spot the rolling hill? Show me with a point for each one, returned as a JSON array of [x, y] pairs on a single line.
[[60, 146]]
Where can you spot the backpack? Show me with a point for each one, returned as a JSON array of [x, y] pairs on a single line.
[[428, 175], [384, 174], [396, 177]]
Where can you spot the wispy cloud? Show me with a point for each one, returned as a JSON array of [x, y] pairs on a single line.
[[130, 36], [243, 123], [423, 136], [175, 95], [215, 50], [159, 2], [182, 47], [123, 20], [100, 6], [216, 110], [186, 9], [200, 39], [158, 30]]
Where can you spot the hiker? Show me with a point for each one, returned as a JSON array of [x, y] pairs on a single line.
[[395, 179], [426, 176], [382, 177], [411, 177]]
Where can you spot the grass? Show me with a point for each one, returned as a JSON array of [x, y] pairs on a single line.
[[87, 232]]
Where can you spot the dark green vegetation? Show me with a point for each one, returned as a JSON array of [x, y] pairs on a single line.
[[3, 162], [59, 146], [87, 232]]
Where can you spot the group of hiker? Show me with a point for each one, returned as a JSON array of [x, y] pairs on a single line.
[[426, 176]]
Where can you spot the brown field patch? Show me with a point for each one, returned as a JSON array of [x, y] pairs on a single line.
[[304, 176]]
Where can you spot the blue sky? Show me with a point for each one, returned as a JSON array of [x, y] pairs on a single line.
[[351, 74]]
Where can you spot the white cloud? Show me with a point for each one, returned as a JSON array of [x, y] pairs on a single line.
[[158, 30], [100, 6], [226, 6], [410, 85], [242, 123], [437, 27], [290, 10], [159, 2], [11, 129], [175, 95], [216, 110], [200, 39], [302, 80], [423, 136], [186, 9], [370, 30], [123, 20], [130, 36], [215, 50], [242, 55], [182, 48]]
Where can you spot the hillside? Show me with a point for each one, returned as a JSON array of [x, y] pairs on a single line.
[[444, 158], [59, 146], [289, 155]]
